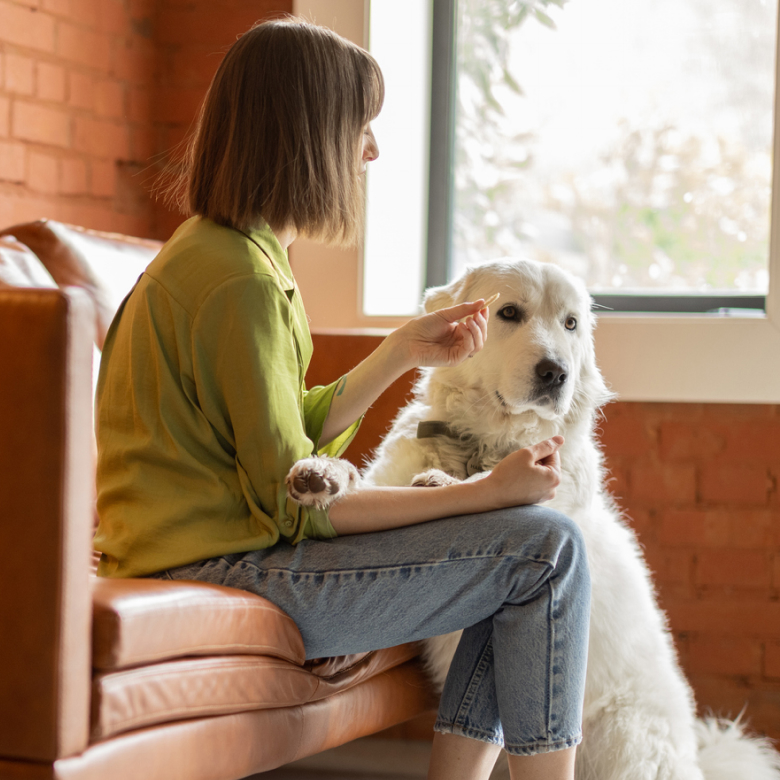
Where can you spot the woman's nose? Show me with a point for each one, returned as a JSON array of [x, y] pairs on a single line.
[[371, 148]]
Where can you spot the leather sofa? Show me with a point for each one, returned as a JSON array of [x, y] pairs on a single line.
[[134, 678]]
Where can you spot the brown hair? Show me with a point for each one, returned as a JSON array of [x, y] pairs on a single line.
[[279, 132]]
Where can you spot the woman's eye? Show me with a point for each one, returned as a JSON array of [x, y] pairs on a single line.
[[571, 323]]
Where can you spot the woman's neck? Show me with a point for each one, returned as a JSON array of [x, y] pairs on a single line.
[[285, 236]]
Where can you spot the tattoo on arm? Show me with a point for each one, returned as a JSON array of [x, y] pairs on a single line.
[[341, 385]]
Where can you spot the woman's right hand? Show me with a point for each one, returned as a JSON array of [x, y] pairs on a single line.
[[527, 476]]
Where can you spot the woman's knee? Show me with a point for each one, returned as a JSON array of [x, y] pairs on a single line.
[[557, 538]]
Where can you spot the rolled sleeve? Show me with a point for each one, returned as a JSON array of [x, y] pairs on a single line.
[[249, 376]]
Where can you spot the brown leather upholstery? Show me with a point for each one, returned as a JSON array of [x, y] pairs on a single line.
[[237, 745], [193, 687], [177, 654], [141, 621], [45, 495], [105, 265], [19, 266]]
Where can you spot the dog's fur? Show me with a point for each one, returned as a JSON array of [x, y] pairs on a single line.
[[537, 377]]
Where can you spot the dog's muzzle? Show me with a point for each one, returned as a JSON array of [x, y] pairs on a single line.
[[551, 376]]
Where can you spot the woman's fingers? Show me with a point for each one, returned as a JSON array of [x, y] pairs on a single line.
[[545, 449], [461, 310]]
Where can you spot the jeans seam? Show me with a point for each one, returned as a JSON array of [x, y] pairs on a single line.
[[395, 567], [476, 680], [550, 657]]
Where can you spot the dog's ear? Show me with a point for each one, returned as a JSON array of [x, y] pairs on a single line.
[[436, 298]]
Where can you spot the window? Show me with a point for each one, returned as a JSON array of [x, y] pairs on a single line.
[[676, 357]]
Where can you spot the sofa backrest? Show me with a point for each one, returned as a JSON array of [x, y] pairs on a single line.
[[46, 488], [105, 265]]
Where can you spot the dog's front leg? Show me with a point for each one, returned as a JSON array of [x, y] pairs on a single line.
[[433, 478], [319, 481]]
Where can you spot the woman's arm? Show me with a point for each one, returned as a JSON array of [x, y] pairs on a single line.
[[527, 476], [436, 339]]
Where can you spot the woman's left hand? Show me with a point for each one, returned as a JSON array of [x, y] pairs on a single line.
[[441, 339]]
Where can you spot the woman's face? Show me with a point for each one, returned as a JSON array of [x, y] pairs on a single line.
[[369, 149]]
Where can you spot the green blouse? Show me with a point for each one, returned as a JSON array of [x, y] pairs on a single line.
[[202, 408]]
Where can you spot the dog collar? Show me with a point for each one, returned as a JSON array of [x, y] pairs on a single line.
[[428, 429]]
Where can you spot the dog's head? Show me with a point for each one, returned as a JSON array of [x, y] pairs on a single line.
[[539, 354]]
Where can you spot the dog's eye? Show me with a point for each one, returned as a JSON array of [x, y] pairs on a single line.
[[511, 313], [571, 323]]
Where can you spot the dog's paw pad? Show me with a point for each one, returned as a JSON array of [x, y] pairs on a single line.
[[433, 478], [320, 481]]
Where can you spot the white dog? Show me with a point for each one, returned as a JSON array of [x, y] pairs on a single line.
[[537, 377]]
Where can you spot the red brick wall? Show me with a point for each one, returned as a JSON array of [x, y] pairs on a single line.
[[699, 484], [93, 94]]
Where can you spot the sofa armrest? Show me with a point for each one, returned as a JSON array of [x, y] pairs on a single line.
[[46, 474]]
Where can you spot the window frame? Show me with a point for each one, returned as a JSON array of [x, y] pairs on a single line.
[[681, 357]]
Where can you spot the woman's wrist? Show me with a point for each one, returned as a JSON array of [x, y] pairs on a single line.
[[398, 354]]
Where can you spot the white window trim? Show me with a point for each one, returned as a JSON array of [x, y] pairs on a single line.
[[683, 358]]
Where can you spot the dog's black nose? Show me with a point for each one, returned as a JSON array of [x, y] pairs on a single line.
[[551, 374]]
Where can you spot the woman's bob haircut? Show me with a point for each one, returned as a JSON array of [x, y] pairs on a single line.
[[279, 133]]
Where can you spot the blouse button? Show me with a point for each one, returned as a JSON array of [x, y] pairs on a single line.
[[288, 523]]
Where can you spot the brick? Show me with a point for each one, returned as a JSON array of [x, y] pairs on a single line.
[[724, 655], [32, 122], [73, 177], [81, 90], [643, 523], [134, 60], [110, 99], [26, 27], [686, 441], [669, 567], [101, 138], [753, 528], [753, 441], [735, 484], [5, 116], [19, 74], [42, 173], [102, 181], [57, 7], [663, 483], [84, 46], [693, 528], [776, 571], [112, 17], [726, 697], [772, 659], [85, 11], [739, 568], [196, 66], [51, 82], [626, 436], [140, 104], [12, 161], [143, 144], [746, 617]]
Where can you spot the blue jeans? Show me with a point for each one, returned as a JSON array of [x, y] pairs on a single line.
[[516, 580]]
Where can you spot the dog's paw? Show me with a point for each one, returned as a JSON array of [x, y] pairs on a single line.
[[320, 481], [433, 478]]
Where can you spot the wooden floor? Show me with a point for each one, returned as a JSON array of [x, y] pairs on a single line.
[[363, 759]]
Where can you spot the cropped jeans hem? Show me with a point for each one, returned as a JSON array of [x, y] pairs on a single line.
[[529, 749]]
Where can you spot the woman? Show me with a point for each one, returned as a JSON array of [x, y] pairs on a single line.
[[202, 411]]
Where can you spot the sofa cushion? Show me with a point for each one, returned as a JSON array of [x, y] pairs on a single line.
[[106, 265], [196, 687], [141, 621], [19, 266]]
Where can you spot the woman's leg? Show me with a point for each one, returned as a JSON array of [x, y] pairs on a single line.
[[516, 580]]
